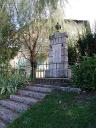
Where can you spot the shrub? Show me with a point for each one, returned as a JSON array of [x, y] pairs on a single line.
[[84, 74], [72, 50]]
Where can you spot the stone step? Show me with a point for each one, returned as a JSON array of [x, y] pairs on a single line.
[[42, 85], [15, 106], [52, 85], [7, 115], [53, 81], [2, 124], [66, 89], [36, 95], [25, 100], [47, 86], [39, 89], [10, 108]]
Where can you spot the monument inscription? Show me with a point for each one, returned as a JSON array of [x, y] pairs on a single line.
[[57, 54]]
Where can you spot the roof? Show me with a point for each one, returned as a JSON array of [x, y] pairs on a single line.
[[76, 21]]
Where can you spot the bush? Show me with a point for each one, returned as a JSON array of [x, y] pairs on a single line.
[[72, 50], [84, 74]]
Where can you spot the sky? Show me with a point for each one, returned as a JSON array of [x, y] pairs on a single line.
[[81, 10]]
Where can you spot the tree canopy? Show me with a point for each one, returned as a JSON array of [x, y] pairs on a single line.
[[7, 47], [21, 18]]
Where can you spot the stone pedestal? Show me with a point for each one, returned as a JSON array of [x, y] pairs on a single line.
[[58, 56]]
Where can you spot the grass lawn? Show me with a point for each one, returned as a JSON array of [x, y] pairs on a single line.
[[60, 110]]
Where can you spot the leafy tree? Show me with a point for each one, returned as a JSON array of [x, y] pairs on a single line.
[[33, 25], [7, 47]]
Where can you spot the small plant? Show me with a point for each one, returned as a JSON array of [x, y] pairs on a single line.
[[12, 82]]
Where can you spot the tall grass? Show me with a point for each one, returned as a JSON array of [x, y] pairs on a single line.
[[11, 80]]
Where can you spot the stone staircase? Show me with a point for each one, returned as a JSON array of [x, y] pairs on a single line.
[[11, 108]]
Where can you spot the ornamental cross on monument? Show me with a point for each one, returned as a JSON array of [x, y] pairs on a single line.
[[58, 55]]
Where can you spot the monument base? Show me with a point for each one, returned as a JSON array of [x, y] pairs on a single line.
[[58, 73]]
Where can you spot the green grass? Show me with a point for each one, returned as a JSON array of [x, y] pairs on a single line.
[[59, 110]]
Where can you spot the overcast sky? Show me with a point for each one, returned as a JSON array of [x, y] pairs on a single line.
[[81, 10]]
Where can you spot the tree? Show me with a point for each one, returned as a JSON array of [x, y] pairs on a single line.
[[7, 48], [33, 26]]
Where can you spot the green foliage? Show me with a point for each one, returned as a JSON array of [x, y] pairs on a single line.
[[86, 43], [8, 49], [72, 50], [84, 74], [41, 4], [10, 82], [72, 55], [30, 10]]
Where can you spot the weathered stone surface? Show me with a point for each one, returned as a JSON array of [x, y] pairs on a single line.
[[77, 90], [7, 115], [36, 95], [19, 107], [69, 89], [25, 100], [2, 124], [57, 73], [44, 85], [39, 89], [58, 56], [66, 89]]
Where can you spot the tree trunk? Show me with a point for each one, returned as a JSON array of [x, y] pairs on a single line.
[[33, 65], [33, 70]]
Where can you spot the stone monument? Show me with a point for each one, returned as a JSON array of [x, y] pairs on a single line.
[[58, 54]]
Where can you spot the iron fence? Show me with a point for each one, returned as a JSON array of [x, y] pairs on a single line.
[[41, 70], [50, 70]]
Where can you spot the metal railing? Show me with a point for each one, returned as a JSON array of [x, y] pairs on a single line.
[[48, 70], [41, 70]]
